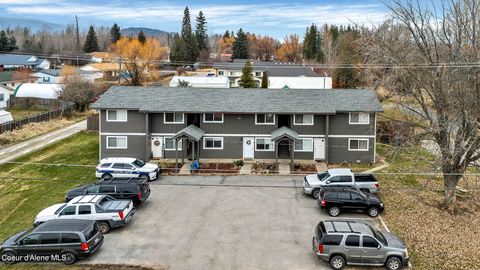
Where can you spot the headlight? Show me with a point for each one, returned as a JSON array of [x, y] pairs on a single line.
[[381, 204], [406, 253]]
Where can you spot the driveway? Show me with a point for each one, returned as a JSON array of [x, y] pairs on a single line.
[[238, 222]]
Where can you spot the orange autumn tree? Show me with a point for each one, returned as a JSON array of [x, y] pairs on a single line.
[[137, 58], [225, 44], [290, 50]]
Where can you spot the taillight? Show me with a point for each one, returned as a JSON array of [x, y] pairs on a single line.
[[120, 214], [320, 248], [139, 195], [84, 246], [376, 185], [324, 202]]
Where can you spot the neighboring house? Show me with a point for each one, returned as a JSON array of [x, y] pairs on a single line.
[[18, 61], [5, 117], [104, 71], [5, 93], [100, 57], [49, 76], [39, 90], [201, 81], [6, 79], [233, 70], [300, 82], [144, 122]]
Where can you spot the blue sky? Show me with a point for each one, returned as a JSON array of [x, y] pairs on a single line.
[[275, 18]]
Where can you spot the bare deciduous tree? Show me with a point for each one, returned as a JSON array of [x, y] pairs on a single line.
[[431, 48]]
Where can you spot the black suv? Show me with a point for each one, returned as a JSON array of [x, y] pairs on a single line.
[[135, 189], [336, 199], [61, 240]]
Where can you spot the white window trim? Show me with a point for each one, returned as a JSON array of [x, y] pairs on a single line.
[[126, 116], [359, 123], [359, 150], [264, 150], [219, 122], [303, 124], [304, 139], [171, 149], [265, 124], [126, 142], [214, 138], [173, 123]]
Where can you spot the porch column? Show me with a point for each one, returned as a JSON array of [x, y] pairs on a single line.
[[176, 155], [292, 153], [327, 128], [276, 155], [198, 151], [193, 150], [183, 151]]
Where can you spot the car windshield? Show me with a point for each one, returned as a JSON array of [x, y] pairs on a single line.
[[323, 176], [25, 233], [379, 236], [139, 163]]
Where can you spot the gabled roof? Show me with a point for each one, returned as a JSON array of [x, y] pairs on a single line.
[[19, 59], [192, 132], [285, 132], [6, 76], [100, 67], [238, 100], [51, 72], [273, 68]]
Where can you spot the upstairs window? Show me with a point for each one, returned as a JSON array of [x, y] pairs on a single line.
[[116, 115], [359, 118], [221, 73], [2, 97], [303, 119], [213, 117], [265, 119], [116, 142], [258, 74], [173, 118]]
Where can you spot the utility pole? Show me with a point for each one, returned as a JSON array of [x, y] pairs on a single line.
[[77, 42]]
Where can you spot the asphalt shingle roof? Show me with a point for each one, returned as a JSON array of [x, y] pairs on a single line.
[[51, 72], [191, 131], [238, 100], [18, 59], [284, 132], [273, 69]]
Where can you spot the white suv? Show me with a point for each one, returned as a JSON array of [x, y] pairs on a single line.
[[127, 168]]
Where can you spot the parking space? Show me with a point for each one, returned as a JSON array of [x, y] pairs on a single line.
[[214, 222]]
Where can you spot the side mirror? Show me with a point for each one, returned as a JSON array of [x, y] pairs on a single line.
[[379, 247], [328, 182]]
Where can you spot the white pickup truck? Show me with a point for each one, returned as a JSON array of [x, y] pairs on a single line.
[[107, 211], [313, 183]]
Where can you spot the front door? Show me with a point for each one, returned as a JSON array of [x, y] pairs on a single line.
[[248, 148], [319, 149], [373, 252], [157, 147]]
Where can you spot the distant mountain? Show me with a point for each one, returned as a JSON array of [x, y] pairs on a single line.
[[149, 32], [34, 25]]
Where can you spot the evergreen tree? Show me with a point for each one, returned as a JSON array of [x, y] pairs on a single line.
[[141, 37], [7, 43], [3, 41], [264, 83], [201, 32], [115, 34], [188, 38], [310, 43], [12, 43], [226, 35], [91, 42], [246, 80], [240, 46], [178, 52]]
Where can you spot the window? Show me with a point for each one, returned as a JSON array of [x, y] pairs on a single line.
[[265, 119], [116, 142], [84, 210], [221, 73], [173, 118], [170, 144], [2, 97], [369, 242], [352, 241], [69, 238], [213, 117], [303, 119], [359, 118], [340, 179], [116, 116], [33, 239], [68, 211], [357, 197], [264, 144], [343, 196], [107, 189], [304, 145], [49, 238], [357, 144], [118, 166], [46, 79], [258, 74], [105, 165], [332, 240], [92, 190], [212, 143]]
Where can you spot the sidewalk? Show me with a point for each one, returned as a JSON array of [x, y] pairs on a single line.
[[12, 152]]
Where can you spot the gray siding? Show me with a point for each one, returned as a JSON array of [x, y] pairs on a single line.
[[135, 123], [158, 126], [238, 124], [338, 152], [136, 147], [318, 127], [339, 125]]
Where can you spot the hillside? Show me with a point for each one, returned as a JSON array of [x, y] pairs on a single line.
[[149, 32]]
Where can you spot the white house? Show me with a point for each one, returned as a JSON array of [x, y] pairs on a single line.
[[16, 61], [201, 82], [96, 71], [300, 82], [5, 117], [49, 76], [5, 93], [39, 90]]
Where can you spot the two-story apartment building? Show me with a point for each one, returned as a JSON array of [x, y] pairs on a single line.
[[331, 125]]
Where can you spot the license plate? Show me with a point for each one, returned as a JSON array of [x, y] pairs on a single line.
[[97, 240]]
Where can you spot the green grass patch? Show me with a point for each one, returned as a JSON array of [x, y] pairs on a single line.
[[18, 113]]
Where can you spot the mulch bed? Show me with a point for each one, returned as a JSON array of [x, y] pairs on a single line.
[[264, 168], [168, 168], [304, 169], [218, 168]]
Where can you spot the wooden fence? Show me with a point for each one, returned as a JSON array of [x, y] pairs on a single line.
[[37, 103], [36, 118]]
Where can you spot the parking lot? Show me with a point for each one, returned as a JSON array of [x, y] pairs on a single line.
[[215, 222]]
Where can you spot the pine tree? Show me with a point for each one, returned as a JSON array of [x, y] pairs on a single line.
[[141, 37], [246, 80], [3, 41], [91, 42], [115, 34], [264, 83], [188, 38], [12, 44], [178, 52], [201, 32], [240, 46], [310, 43], [226, 35]]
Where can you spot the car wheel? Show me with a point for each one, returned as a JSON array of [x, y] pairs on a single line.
[[103, 227], [69, 258], [316, 193], [107, 177], [373, 211], [8, 257], [394, 263], [334, 211], [144, 177], [337, 262]]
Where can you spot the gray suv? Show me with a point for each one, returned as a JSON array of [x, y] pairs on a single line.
[[354, 243]]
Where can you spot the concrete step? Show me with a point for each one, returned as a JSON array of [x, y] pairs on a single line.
[[321, 166], [284, 169], [246, 169], [185, 170]]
